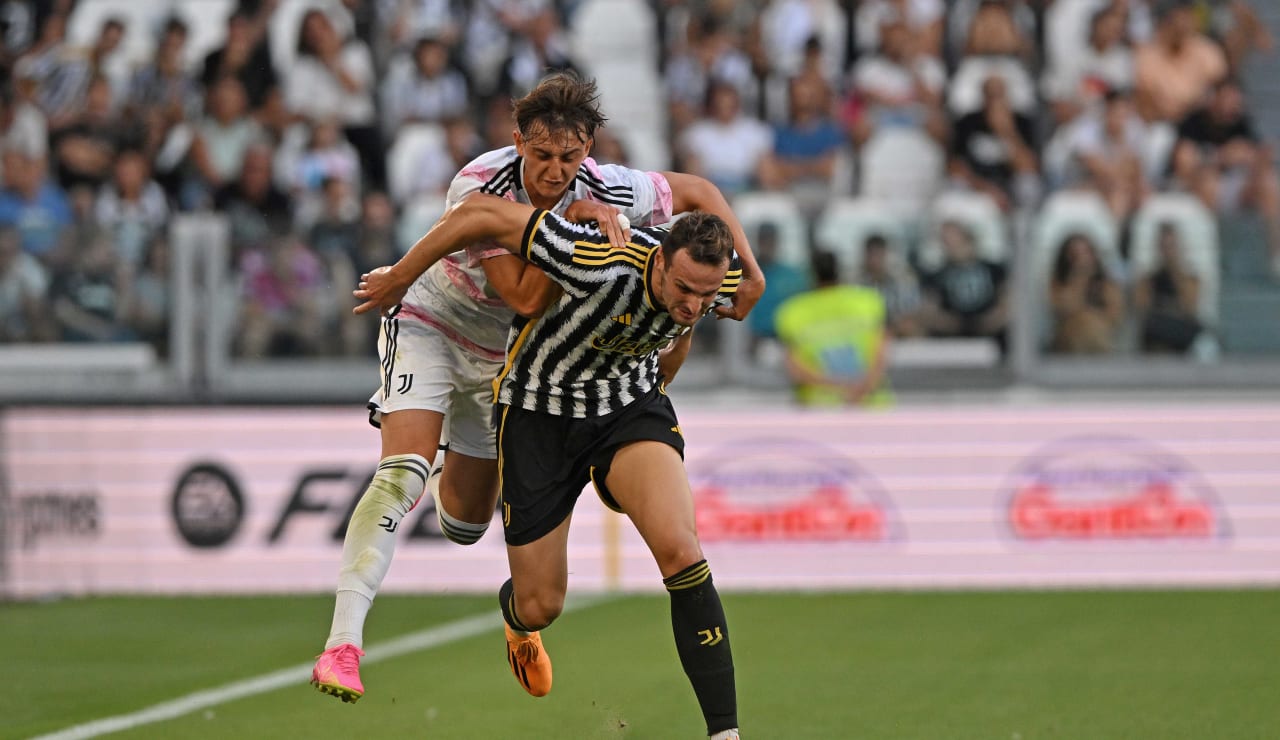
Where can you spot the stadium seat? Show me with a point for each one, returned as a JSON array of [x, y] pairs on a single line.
[[615, 42], [646, 149], [1065, 213], [1198, 229], [844, 226], [979, 214], [1066, 24], [614, 29], [140, 21], [757, 208], [207, 27], [411, 142], [418, 216], [965, 89], [901, 167]]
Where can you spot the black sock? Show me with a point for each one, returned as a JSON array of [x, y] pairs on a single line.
[[507, 601], [702, 639]]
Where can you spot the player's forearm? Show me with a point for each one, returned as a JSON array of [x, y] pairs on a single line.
[[524, 288], [477, 218]]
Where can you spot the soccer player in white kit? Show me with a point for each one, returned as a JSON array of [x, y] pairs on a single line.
[[443, 341]]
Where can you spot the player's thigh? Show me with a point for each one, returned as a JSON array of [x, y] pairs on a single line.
[[412, 432], [648, 481]]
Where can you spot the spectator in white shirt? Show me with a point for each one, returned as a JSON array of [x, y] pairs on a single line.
[[333, 79], [726, 146]]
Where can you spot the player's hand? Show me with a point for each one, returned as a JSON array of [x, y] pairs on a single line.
[[604, 216], [379, 290], [748, 293]]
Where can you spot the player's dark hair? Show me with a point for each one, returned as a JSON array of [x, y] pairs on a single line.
[[561, 102], [704, 235]]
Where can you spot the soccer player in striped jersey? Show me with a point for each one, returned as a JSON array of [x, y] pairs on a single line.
[[443, 341], [582, 399]]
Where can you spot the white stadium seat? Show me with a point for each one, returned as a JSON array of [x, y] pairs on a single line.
[[844, 226], [1065, 213], [902, 168], [780, 209], [406, 152], [613, 29], [419, 215], [978, 213], [1198, 230]]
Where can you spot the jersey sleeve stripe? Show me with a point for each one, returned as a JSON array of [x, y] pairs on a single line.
[[600, 261], [530, 230], [500, 183]]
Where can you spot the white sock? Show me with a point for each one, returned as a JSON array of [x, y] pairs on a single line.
[[463, 533], [371, 543], [726, 735]]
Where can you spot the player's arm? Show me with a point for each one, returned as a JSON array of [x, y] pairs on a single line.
[[693, 193], [477, 218], [671, 358], [522, 286]]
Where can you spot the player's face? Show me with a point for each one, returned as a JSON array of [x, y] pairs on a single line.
[[686, 288], [551, 160]]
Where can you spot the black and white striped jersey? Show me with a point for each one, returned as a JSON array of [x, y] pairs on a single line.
[[596, 349]]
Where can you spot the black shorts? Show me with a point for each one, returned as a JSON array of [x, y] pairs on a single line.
[[545, 461]]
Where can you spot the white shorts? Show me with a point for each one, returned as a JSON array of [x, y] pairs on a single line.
[[423, 369]]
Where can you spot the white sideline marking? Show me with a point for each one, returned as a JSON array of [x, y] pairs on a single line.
[[410, 643]]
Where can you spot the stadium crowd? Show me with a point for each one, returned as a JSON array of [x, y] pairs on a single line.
[[325, 130]]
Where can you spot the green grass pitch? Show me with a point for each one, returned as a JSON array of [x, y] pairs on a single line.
[[1014, 665]]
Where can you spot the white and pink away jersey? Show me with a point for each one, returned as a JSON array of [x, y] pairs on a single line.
[[454, 296]]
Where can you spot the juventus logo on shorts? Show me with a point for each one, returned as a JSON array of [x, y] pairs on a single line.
[[406, 382]]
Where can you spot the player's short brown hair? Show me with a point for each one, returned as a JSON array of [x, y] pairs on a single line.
[[561, 102], [704, 235]]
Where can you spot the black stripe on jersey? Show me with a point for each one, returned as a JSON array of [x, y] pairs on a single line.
[[618, 195], [596, 253], [618, 256], [391, 327], [502, 180], [590, 179], [517, 166]]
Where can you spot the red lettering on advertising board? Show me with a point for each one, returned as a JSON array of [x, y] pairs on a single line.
[[826, 514], [1038, 512]]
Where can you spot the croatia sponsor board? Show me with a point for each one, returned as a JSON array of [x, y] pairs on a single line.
[[215, 500]]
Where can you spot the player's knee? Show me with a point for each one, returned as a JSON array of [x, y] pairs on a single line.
[[397, 484], [677, 556], [539, 609]]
